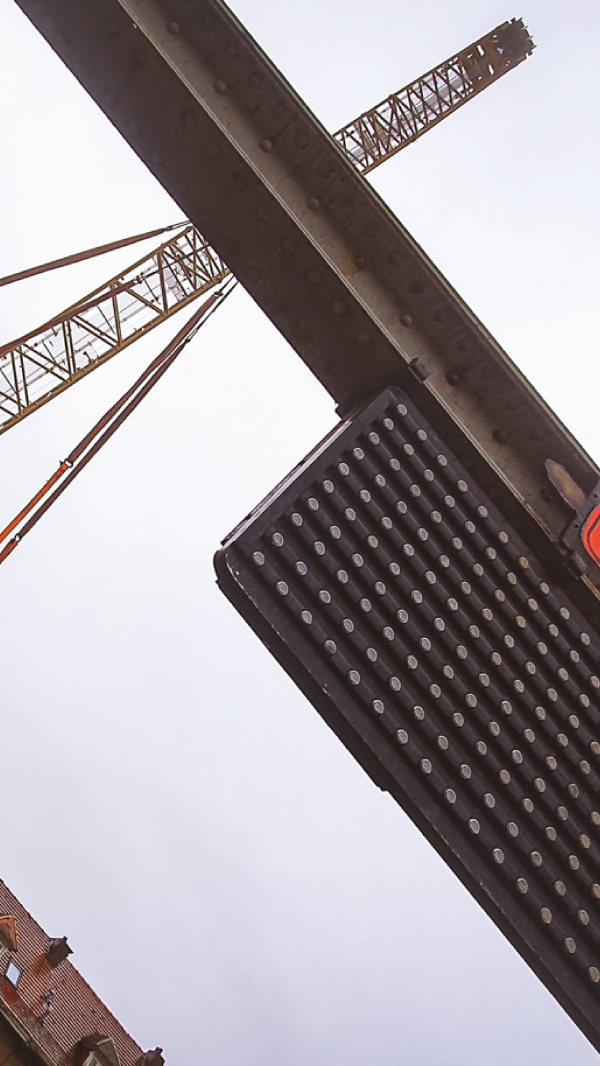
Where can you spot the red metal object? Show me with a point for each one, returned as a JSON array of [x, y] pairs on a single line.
[[590, 535]]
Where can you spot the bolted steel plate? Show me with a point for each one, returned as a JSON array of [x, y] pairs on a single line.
[[452, 666]]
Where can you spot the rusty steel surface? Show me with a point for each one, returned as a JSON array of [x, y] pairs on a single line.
[[314, 245], [405, 115], [41, 365]]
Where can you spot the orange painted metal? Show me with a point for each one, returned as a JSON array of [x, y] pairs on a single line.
[[32, 503], [590, 535]]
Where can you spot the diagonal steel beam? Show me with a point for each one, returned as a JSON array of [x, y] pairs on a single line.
[[311, 241]]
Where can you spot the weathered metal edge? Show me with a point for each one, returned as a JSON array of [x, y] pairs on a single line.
[[311, 241]]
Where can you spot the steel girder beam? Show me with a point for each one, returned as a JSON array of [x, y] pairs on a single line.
[[309, 239]]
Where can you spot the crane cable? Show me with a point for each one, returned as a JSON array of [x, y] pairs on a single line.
[[89, 253], [104, 428]]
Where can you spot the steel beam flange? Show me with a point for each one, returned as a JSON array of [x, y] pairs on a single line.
[[311, 241]]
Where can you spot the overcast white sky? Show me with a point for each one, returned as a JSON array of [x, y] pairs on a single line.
[[232, 884]]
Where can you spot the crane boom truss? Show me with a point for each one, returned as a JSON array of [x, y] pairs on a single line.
[[402, 117], [45, 362]]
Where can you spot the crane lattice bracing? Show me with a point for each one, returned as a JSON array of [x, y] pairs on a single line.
[[70, 467], [404, 116], [44, 363]]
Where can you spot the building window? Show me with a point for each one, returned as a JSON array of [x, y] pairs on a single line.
[[13, 973]]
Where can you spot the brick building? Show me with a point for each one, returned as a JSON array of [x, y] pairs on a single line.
[[48, 1013]]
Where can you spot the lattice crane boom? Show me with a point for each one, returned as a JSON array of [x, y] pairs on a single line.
[[45, 362], [399, 119]]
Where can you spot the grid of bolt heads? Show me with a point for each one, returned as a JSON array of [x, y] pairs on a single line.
[[434, 643]]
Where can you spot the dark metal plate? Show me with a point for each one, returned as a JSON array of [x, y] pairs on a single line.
[[451, 665]]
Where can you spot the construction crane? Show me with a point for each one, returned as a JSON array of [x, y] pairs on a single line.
[[406, 115], [43, 363], [70, 468]]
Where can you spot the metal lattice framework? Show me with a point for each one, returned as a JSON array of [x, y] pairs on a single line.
[[404, 116], [45, 362], [42, 364]]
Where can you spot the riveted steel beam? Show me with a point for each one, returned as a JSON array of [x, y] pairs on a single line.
[[310, 240]]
